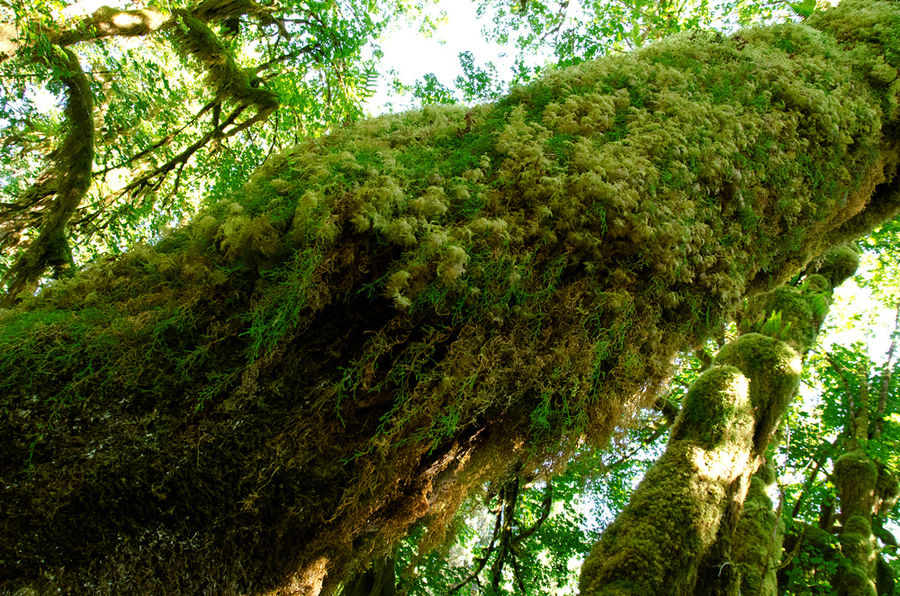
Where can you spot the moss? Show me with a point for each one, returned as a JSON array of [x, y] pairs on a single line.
[[856, 476], [795, 314], [716, 409], [426, 300], [839, 264], [757, 537], [855, 582], [69, 176], [656, 543], [774, 371]]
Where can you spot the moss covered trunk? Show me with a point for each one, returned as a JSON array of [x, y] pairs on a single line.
[[386, 317], [867, 491], [701, 522]]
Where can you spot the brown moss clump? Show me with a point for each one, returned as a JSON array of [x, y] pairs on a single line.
[[388, 315]]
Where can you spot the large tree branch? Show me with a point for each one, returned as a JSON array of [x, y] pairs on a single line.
[[107, 21]]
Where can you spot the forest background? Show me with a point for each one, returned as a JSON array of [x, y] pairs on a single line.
[[182, 113]]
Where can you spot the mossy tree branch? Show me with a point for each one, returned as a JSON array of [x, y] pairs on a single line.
[[715, 451], [69, 177]]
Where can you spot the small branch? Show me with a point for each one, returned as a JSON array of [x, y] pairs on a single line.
[[878, 423], [839, 369], [510, 497], [163, 142], [274, 137], [820, 461], [138, 185], [473, 576], [546, 505], [517, 574], [656, 434]]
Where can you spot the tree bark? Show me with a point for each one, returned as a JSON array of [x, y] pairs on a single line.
[[394, 314]]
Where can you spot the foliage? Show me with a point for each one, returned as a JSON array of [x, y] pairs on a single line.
[[820, 433], [537, 35], [189, 100], [556, 521]]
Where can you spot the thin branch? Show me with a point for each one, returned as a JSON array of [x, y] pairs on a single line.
[[311, 48], [482, 561], [878, 424], [839, 368], [274, 137], [810, 481], [154, 179], [546, 505], [138, 185], [164, 141], [517, 573], [656, 434], [510, 499]]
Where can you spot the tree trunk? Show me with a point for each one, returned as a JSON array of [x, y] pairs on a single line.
[[384, 318], [684, 531]]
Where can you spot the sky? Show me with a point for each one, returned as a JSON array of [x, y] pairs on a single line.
[[413, 54]]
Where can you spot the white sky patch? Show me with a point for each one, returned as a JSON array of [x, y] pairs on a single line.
[[412, 54], [43, 99], [856, 315], [86, 7]]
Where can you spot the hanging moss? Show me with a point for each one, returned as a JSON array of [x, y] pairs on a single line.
[[194, 38], [388, 316]]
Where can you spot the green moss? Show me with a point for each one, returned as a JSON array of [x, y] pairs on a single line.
[[795, 314], [856, 468], [378, 307], [757, 537], [772, 367], [855, 582], [655, 544], [717, 409], [839, 264]]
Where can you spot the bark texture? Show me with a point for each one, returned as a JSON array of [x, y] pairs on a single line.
[[391, 315]]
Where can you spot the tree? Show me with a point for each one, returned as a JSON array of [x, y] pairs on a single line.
[[193, 108], [700, 522], [385, 317]]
